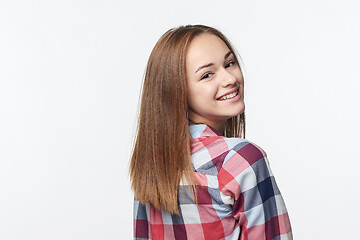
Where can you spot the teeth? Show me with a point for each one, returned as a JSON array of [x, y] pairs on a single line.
[[231, 95]]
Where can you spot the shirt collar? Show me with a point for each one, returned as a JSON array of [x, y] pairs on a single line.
[[202, 130]]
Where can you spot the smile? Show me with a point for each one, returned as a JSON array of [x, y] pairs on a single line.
[[229, 96]]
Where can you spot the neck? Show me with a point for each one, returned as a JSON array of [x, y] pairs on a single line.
[[218, 125]]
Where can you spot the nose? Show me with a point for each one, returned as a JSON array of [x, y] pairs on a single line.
[[227, 78]]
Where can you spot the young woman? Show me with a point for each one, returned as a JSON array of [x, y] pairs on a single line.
[[193, 174]]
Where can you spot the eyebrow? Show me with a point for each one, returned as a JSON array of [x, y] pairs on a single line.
[[211, 64]]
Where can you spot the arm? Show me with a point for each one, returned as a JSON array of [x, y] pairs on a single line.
[[141, 221], [258, 206]]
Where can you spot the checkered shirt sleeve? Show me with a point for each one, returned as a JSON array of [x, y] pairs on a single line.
[[237, 196], [247, 183]]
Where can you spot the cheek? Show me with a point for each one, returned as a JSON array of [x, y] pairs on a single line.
[[240, 79], [238, 74], [194, 97], [200, 96]]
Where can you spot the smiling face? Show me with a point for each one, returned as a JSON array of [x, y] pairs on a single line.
[[215, 82]]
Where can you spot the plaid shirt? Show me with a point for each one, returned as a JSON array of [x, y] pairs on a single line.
[[238, 199]]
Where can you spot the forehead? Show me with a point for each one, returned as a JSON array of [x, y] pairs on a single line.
[[205, 48]]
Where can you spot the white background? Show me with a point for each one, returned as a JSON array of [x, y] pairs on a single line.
[[70, 76]]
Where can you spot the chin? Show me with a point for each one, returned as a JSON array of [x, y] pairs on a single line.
[[239, 109]]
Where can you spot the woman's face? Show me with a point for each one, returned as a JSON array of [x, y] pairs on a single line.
[[215, 82]]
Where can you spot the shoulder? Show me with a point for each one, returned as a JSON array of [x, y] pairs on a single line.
[[245, 149], [244, 158], [244, 167], [220, 150]]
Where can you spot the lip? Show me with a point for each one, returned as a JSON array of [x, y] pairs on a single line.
[[231, 91]]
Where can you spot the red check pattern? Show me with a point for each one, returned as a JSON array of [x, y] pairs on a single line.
[[237, 196]]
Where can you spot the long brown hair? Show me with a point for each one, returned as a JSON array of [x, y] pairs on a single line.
[[161, 155]]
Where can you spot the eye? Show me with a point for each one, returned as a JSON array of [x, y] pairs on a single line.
[[206, 75], [229, 64]]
